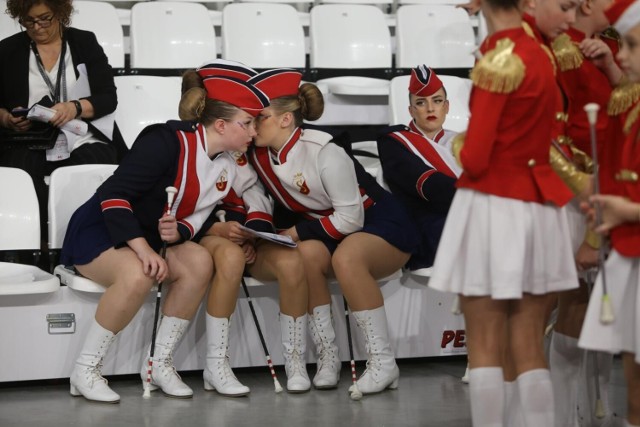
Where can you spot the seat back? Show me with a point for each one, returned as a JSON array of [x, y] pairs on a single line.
[[440, 36], [69, 188], [458, 92], [280, 41], [171, 35], [19, 213], [8, 26], [144, 100], [349, 36], [102, 19]]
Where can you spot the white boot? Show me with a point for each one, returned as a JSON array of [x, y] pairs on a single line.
[[217, 374], [163, 373], [294, 341], [86, 379], [382, 371], [324, 336]]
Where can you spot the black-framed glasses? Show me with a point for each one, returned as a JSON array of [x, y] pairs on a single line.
[[30, 23]]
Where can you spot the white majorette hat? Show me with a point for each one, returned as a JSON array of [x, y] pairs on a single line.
[[624, 15]]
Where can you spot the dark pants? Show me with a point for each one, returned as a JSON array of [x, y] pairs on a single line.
[[35, 163]]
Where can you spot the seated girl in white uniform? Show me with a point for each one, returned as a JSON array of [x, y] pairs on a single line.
[[345, 224], [232, 249]]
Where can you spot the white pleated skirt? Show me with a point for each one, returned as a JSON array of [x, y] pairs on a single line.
[[577, 224], [623, 282], [501, 247]]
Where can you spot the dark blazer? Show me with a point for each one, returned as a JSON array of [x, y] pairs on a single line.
[[84, 48]]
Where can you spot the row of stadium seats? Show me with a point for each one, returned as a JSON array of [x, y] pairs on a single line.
[[143, 100], [180, 35]]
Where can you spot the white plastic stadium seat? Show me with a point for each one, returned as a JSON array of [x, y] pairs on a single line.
[[432, 2], [344, 36], [144, 100], [441, 36], [69, 188], [171, 35], [8, 26], [270, 36], [458, 92], [20, 230], [102, 19], [370, 162]]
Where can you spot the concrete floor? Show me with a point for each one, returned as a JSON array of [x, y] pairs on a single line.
[[430, 394]]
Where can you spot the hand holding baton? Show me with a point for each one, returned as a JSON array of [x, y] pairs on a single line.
[[171, 193], [606, 309], [277, 387]]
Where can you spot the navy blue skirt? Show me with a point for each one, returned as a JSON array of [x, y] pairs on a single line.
[[87, 235], [388, 219]]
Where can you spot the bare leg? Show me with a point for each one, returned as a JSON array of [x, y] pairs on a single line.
[[228, 265], [317, 267], [486, 321], [276, 262], [527, 322], [361, 259], [632, 376]]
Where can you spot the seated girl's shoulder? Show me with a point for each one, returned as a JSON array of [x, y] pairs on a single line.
[[316, 136]]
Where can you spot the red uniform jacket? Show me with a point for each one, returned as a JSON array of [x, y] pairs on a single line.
[[583, 85], [506, 149], [626, 238]]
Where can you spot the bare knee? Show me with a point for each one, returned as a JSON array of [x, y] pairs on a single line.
[[345, 262], [196, 265], [135, 286], [229, 262], [290, 268]]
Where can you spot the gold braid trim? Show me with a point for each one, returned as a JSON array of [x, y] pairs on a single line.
[[499, 70], [581, 159], [592, 238], [576, 180], [631, 119], [623, 97], [567, 53], [456, 146]]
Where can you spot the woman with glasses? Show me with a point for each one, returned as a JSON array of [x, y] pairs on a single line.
[[65, 69], [345, 224], [233, 250], [114, 238]]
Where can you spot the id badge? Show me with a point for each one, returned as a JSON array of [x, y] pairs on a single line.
[[60, 151]]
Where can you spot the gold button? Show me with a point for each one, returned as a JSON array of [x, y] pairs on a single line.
[[531, 163]]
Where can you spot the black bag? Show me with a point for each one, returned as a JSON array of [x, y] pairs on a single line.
[[41, 136]]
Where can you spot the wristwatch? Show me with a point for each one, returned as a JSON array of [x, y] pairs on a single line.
[[78, 107]]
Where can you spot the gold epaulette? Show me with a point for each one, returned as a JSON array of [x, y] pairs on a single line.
[[456, 146], [576, 180], [623, 97], [581, 159], [567, 54], [631, 119], [499, 70], [592, 238]]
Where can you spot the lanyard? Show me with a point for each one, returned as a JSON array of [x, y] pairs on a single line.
[[55, 91]]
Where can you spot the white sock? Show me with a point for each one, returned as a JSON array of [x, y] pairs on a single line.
[[487, 396], [512, 408], [564, 364], [536, 397]]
